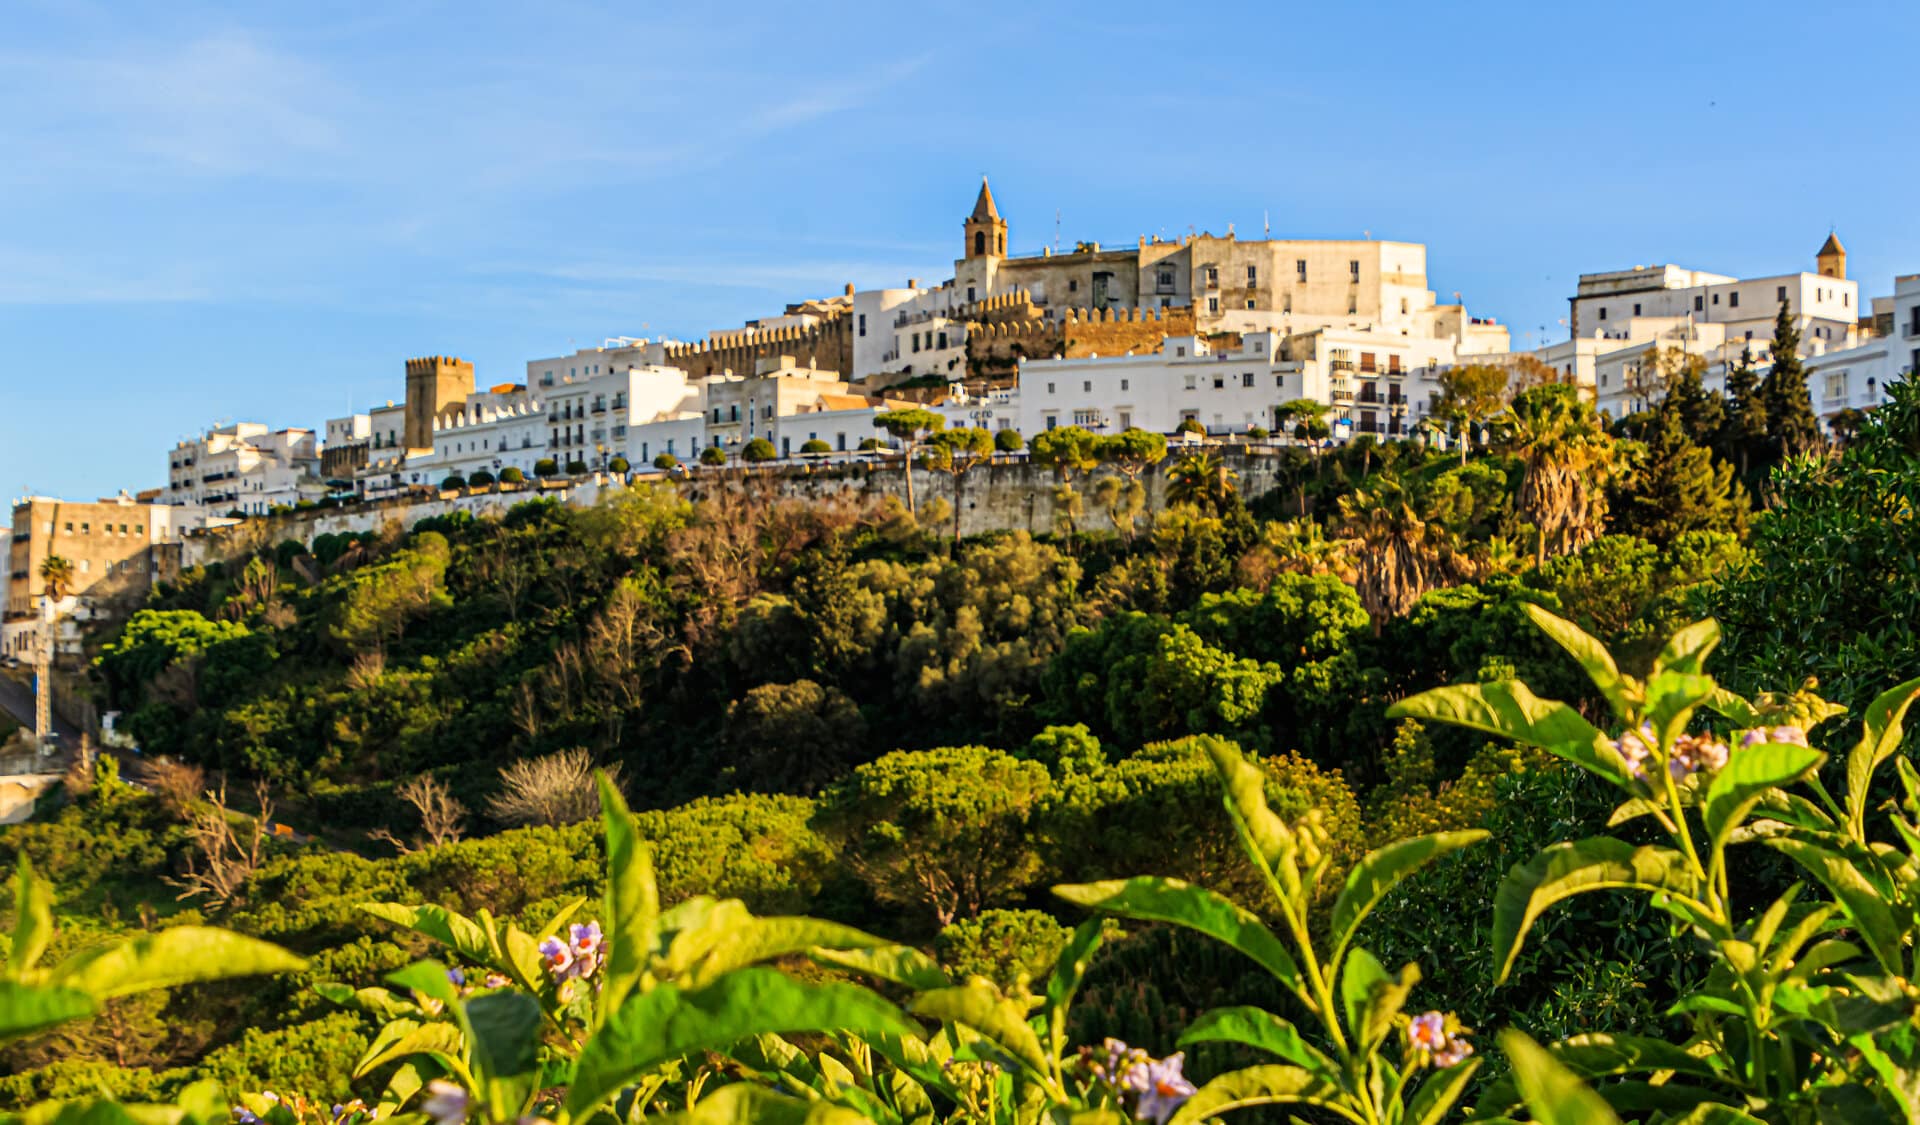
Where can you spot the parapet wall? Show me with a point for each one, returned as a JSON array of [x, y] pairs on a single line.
[[1005, 495], [998, 344]]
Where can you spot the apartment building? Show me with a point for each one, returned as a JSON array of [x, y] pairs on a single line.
[[118, 548], [245, 466]]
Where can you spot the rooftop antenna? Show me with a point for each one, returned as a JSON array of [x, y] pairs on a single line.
[[1266, 225], [1367, 234], [1056, 230]]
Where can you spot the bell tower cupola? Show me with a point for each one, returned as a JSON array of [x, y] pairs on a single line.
[[986, 230]]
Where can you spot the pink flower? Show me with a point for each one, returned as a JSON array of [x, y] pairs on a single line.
[[1428, 1031]]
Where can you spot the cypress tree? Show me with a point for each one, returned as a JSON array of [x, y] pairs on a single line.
[[1701, 413], [1743, 429], [1791, 426], [1678, 487]]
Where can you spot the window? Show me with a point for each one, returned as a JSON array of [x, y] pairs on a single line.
[[1246, 379], [1073, 285], [1353, 306], [1053, 421], [1253, 275], [1087, 385], [1086, 417], [943, 341], [1123, 384], [1193, 381], [1300, 267], [1846, 300], [1219, 383], [863, 324], [1213, 276], [1126, 419], [1213, 304], [1353, 267], [841, 441], [1733, 300], [1164, 279], [916, 341], [1603, 312], [1179, 351], [1249, 302], [969, 292], [1780, 293], [1049, 388], [1636, 308], [1716, 298], [1699, 303]]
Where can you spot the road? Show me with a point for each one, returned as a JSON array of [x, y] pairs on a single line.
[[17, 701]]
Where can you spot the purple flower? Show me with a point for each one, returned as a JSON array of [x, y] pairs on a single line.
[[245, 1116], [456, 977], [1454, 1053], [557, 955], [1162, 1090], [446, 1103], [1635, 747]]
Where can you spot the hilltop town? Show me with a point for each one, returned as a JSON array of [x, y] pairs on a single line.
[[1208, 334]]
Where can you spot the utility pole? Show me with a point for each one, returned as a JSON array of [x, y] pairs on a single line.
[[43, 675]]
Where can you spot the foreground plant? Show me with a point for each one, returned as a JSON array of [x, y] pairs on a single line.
[[591, 1016], [1808, 1013], [1364, 1059], [35, 998]]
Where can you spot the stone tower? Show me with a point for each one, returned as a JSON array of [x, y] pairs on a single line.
[[1832, 258], [986, 246], [434, 384]]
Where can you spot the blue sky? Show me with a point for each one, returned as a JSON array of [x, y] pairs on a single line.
[[258, 211]]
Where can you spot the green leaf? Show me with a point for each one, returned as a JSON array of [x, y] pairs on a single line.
[[181, 955], [1672, 698], [633, 898], [429, 979], [743, 1103], [980, 1006], [668, 1022], [1382, 870], [506, 1033], [1861, 900], [1566, 869], [26, 1008], [1152, 899], [1512, 711], [1257, 1085], [1590, 653], [1361, 975], [1246, 797], [1436, 1096], [1550, 1090], [404, 1039], [1598, 1055], [455, 931], [729, 941], [1880, 737], [1070, 968], [32, 920], [1686, 651], [1257, 1027], [1747, 777], [898, 964]]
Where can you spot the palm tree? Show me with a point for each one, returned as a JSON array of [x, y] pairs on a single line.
[[1566, 458], [56, 578], [1395, 554], [1201, 478]]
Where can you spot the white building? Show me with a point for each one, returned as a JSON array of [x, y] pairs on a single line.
[[1374, 383], [1824, 305], [1856, 378], [245, 466], [504, 427]]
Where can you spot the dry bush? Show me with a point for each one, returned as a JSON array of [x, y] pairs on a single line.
[[177, 784], [555, 789], [222, 859], [366, 670], [440, 814]]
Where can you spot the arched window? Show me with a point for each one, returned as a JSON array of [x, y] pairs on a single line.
[[979, 242], [1003, 244]]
